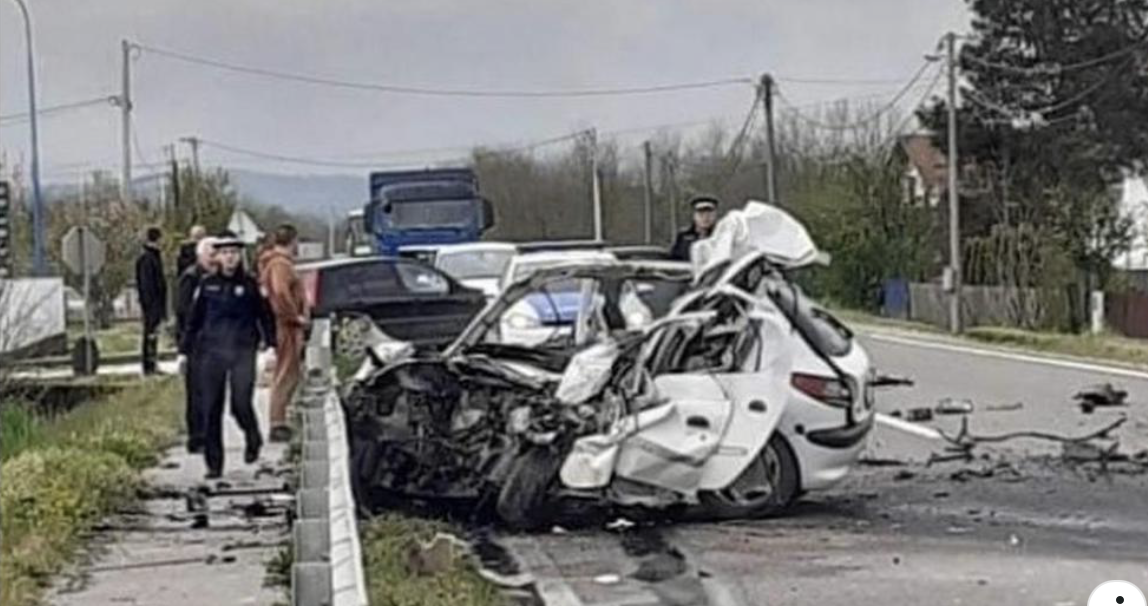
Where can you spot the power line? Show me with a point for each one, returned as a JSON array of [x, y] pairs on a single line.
[[56, 109], [863, 121], [1004, 110], [838, 81], [444, 92]]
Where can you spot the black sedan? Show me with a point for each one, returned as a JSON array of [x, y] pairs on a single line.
[[408, 300]]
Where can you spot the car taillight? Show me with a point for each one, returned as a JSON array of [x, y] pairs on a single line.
[[823, 389], [311, 288]]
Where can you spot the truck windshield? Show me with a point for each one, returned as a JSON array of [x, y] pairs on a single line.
[[432, 213]]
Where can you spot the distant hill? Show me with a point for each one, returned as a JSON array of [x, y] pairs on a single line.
[[312, 194]]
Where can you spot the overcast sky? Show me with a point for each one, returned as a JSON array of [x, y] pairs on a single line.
[[504, 44]]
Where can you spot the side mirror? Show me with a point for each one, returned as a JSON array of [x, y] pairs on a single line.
[[388, 207], [487, 214]]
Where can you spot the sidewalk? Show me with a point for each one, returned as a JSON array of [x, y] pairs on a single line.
[[188, 542]]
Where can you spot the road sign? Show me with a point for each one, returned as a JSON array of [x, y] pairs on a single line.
[[82, 248]]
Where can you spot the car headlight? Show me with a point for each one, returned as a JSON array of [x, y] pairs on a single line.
[[521, 321]]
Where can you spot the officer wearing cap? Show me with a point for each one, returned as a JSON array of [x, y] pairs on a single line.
[[229, 322], [705, 215]]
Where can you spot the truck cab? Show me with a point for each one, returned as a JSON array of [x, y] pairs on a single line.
[[427, 207]]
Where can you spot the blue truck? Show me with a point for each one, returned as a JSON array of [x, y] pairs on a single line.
[[425, 207]]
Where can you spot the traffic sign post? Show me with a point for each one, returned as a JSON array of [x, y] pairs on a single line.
[[84, 253]]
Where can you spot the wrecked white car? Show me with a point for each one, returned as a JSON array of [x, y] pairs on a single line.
[[725, 396]]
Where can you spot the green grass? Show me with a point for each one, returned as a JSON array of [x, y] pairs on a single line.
[[120, 338], [387, 541], [62, 475]]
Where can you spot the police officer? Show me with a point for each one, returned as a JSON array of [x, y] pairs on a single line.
[[229, 322], [705, 215], [151, 286], [186, 289]]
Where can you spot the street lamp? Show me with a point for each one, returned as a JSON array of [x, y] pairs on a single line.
[[38, 266]]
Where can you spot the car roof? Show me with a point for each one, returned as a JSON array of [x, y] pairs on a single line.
[[333, 263], [478, 247], [572, 256]]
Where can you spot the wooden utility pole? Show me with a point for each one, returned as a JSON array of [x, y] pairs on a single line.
[[595, 185], [766, 93], [648, 210], [670, 175], [954, 193]]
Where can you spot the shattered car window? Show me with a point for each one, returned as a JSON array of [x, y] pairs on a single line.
[[422, 280]]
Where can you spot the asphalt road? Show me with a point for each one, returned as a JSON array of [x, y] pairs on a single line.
[[1018, 525]]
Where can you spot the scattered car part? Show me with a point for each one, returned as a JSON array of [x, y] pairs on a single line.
[[1098, 396], [949, 406]]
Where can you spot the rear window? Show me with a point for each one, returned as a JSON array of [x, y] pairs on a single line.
[[422, 280], [826, 333]]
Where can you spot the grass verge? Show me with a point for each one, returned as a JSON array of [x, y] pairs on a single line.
[[387, 543], [64, 474]]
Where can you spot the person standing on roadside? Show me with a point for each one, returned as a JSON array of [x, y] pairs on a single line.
[[229, 323], [186, 289], [284, 292], [189, 249], [151, 286], [705, 216]]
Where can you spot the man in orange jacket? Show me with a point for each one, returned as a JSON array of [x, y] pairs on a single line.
[[285, 293]]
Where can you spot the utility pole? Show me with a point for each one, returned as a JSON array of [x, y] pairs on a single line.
[[177, 201], [648, 214], [670, 175], [595, 184], [39, 261], [954, 193], [193, 142], [766, 93], [125, 102]]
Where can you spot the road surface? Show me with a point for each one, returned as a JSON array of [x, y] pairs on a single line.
[[1020, 526]]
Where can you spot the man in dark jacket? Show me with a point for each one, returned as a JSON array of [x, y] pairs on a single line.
[[151, 286], [229, 322], [705, 215], [187, 287]]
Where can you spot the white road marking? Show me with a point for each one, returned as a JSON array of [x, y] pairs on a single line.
[[1009, 355]]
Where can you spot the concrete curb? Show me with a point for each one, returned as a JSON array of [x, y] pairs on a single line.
[[328, 568]]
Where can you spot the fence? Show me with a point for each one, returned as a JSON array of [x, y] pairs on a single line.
[[980, 306]]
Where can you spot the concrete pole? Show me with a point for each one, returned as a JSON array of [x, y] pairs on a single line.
[[649, 201], [126, 120], [954, 193], [39, 261], [766, 93], [595, 185]]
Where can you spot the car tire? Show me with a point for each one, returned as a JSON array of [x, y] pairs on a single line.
[[524, 494], [766, 488]]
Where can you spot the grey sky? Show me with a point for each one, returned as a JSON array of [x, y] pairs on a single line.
[[522, 44]]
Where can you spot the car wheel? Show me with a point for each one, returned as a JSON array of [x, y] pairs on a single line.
[[767, 486], [526, 491], [351, 339]]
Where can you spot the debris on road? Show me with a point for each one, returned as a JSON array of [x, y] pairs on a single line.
[[1099, 450], [949, 406], [962, 444], [1005, 407], [608, 579], [1100, 396], [918, 415]]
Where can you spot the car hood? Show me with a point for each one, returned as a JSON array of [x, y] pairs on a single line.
[[757, 228]]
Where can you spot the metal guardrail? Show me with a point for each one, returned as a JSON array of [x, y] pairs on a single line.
[[328, 567]]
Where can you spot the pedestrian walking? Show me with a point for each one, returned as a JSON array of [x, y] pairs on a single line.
[[705, 216], [151, 287], [284, 292], [187, 286], [229, 323], [189, 249]]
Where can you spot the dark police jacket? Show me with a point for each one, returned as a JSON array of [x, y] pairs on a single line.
[[151, 285], [185, 290], [228, 315], [682, 243]]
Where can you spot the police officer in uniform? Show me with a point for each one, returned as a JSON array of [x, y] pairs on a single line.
[[705, 215], [229, 322]]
